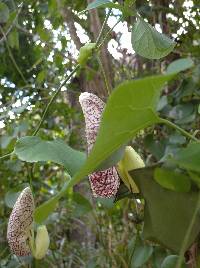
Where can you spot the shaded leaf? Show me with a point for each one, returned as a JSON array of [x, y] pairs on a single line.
[[179, 65], [167, 214], [158, 256], [155, 147], [141, 255], [106, 203], [12, 195], [82, 205], [172, 180], [123, 192], [189, 157], [177, 139], [4, 13], [13, 39], [170, 262], [5, 141]]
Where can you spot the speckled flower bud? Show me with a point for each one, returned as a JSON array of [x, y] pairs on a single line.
[[20, 223], [41, 242], [103, 183]]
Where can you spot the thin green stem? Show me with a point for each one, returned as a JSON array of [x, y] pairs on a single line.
[[12, 25], [11, 56], [53, 98], [102, 28], [6, 155], [104, 75], [107, 34], [188, 233], [182, 131]]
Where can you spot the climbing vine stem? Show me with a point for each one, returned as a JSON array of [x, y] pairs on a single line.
[[53, 98], [104, 75], [188, 234], [182, 131], [102, 29]]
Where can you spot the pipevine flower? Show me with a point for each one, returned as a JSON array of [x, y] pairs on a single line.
[[103, 183], [20, 232], [20, 223]]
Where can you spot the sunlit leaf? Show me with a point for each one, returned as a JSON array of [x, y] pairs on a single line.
[[34, 149], [148, 42]]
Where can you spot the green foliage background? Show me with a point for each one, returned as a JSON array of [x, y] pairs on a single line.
[[87, 232]]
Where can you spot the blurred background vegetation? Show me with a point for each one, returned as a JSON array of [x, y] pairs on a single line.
[[39, 43]]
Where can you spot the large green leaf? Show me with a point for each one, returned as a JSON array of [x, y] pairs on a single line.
[[34, 149], [188, 157], [148, 42], [167, 214]]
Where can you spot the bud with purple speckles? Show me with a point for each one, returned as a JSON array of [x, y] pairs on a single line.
[[20, 232], [103, 183], [20, 224]]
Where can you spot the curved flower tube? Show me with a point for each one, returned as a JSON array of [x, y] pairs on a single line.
[[131, 160], [20, 232], [103, 183], [20, 223]]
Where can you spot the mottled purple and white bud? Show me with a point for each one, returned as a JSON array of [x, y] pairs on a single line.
[[20, 223], [103, 183]]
